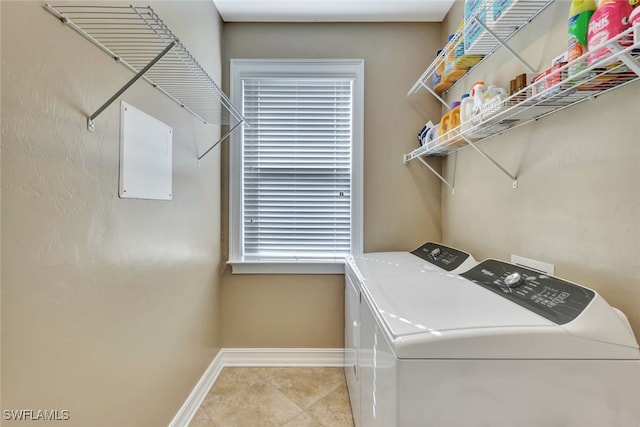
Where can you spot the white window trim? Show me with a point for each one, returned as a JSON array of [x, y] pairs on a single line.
[[244, 68]]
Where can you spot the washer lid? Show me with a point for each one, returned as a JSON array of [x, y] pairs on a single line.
[[428, 257], [435, 302], [390, 264]]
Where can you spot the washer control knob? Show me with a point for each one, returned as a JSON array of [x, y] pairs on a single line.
[[513, 280], [436, 253]]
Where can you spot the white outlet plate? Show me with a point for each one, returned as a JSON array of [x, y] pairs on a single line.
[[533, 264]]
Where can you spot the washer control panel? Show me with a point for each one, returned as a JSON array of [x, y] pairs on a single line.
[[443, 256], [555, 299]]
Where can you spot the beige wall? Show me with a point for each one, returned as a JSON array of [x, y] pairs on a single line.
[[109, 306], [0, 218], [579, 181], [401, 203]]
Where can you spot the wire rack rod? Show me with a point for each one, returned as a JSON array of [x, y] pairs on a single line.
[[134, 37]]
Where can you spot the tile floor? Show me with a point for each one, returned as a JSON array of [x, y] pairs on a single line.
[[276, 397]]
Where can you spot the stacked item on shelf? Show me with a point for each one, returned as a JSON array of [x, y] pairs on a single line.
[[459, 123], [611, 18], [449, 127], [594, 63], [471, 43], [457, 60], [452, 62], [554, 79], [580, 13], [501, 17]]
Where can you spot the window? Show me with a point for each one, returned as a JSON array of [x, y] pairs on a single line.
[[295, 194]]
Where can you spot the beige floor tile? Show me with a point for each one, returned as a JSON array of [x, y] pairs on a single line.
[[257, 405], [201, 419], [238, 377], [276, 397], [334, 410], [305, 386], [303, 420]]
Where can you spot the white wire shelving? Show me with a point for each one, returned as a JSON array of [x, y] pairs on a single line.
[[138, 39], [548, 95], [492, 36], [555, 92]]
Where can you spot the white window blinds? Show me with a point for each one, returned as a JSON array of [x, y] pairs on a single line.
[[297, 167]]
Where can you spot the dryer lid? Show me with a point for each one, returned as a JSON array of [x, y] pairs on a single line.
[[390, 264]]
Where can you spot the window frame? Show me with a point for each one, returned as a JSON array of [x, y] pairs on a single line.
[[323, 68]]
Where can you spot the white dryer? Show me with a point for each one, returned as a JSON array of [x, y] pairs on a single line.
[[428, 258], [500, 345]]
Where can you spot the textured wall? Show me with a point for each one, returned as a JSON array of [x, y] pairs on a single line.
[[577, 205], [109, 306], [0, 216], [402, 204]]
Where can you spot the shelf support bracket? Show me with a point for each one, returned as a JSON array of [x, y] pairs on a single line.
[[222, 138], [437, 174], [435, 95], [514, 180], [625, 57], [91, 125], [505, 45]]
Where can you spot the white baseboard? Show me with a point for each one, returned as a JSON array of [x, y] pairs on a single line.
[[293, 357], [258, 357], [199, 392]]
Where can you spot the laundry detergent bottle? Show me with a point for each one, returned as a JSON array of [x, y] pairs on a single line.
[[610, 19], [454, 116], [580, 13]]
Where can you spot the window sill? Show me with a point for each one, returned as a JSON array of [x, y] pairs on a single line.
[[286, 267]]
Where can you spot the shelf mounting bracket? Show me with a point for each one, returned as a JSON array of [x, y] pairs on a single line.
[[222, 138], [435, 95], [91, 125], [505, 45], [625, 57], [437, 174], [514, 180]]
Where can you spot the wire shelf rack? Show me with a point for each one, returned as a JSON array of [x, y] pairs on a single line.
[[138, 39], [556, 91], [484, 31]]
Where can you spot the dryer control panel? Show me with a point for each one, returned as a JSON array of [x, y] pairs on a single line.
[[443, 256], [555, 299]]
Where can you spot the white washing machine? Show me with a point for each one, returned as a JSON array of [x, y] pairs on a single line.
[[500, 345], [374, 266]]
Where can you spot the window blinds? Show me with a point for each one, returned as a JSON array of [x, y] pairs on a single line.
[[297, 168]]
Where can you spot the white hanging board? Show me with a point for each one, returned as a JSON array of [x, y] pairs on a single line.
[[145, 155]]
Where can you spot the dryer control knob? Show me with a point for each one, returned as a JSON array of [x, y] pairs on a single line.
[[513, 280], [436, 253]]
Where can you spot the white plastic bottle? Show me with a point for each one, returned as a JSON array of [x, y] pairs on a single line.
[[477, 93], [466, 112], [494, 98]]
